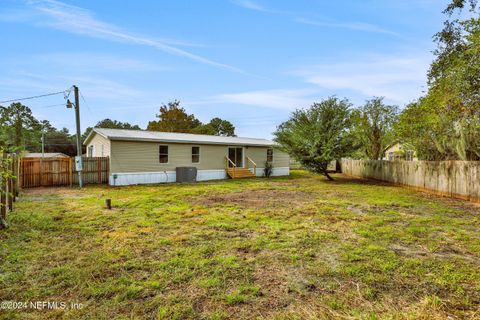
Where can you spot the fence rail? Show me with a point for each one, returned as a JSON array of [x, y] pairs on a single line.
[[458, 179], [47, 172]]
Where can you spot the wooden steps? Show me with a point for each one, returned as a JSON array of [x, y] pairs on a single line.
[[240, 173]]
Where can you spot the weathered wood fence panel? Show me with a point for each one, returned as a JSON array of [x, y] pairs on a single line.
[[47, 172], [459, 179], [43, 172], [95, 170]]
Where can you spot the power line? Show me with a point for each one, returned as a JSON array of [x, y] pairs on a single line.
[[51, 106], [83, 98], [35, 97]]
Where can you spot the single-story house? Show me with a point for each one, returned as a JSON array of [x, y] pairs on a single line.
[[44, 155], [400, 151], [138, 157]]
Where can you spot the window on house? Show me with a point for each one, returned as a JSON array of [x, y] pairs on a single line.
[[409, 155], [270, 155], [195, 154], [90, 151], [163, 154]]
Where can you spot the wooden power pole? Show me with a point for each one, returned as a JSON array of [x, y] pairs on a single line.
[[78, 160]]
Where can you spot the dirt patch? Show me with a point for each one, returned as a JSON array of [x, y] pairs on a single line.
[[259, 199], [443, 252], [273, 282], [44, 194]]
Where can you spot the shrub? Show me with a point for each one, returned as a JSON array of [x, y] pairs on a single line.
[[267, 172]]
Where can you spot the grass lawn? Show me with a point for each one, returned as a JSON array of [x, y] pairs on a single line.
[[297, 247]]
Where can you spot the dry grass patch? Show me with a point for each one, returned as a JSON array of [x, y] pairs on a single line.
[[262, 198], [282, 248]]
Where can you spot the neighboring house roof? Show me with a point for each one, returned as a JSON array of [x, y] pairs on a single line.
[[46, 155], [155, 136], [402, 145]]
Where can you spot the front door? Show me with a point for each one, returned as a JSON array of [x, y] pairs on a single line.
[[236, 155]]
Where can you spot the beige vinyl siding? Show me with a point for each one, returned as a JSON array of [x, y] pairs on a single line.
[[137, 156], [97, 142], [280, 159], [259, 156]]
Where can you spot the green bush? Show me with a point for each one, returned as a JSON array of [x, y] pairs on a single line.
[[268, 169]]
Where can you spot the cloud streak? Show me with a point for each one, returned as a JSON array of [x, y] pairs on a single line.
[[399, 79], [80, 21], [358, 26], [283, 99], [248, 4]]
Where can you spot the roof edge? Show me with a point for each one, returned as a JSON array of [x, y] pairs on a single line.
[[90, 136], [193, 142]]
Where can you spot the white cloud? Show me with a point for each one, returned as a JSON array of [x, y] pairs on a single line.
[[359, 26], [95, 62], [296, 17], [81, 21], [399, 79], [276, 99], [248, 4]]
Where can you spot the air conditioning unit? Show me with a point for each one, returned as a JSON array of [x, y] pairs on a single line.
[[186, 174]]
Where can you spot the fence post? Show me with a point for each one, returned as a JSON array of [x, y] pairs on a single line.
[[15, 172], [3, 195], [70, 171], [10, 193], [99, 168]]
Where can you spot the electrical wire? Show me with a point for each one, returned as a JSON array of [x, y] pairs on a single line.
[[51, 106], [83, 98], [36, 97]]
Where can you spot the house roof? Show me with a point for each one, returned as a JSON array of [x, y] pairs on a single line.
[[45, 155], [155, 136]]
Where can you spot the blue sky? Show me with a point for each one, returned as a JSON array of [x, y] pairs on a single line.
[[248, 61]]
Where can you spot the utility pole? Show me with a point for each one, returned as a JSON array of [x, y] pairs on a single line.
[[78, 160]]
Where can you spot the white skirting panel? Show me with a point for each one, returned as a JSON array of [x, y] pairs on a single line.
[[276, 172], [129, 178], [205, 175]]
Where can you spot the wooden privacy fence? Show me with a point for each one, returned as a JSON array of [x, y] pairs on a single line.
[[8, 185], [458, 179], [48, 172]]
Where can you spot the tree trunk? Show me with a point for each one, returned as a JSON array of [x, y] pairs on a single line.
[[327, 175]]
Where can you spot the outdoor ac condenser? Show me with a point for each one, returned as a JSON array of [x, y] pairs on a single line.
[[186, 174]]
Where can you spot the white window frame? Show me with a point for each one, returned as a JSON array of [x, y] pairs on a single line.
[[199, 154], [90, 151], [243, 153], [273, 153], [168, 153]]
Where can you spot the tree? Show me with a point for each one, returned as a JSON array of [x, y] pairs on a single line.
[[18, 126], [316, 136], [451, 107], [60, 141], [173, 118], [110, 124], [216, 127], [373, 126]]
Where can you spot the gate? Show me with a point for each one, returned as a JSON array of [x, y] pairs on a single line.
[[49, 172]]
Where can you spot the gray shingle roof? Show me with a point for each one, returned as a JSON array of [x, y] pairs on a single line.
[[141, 135]]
